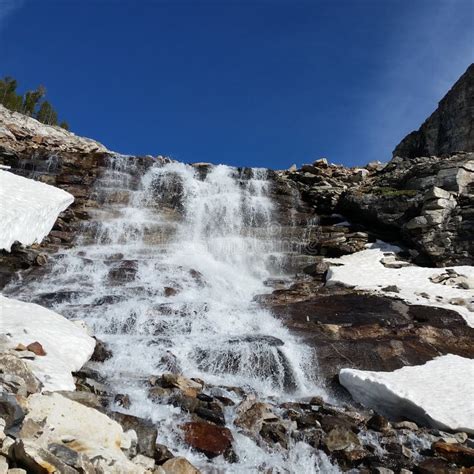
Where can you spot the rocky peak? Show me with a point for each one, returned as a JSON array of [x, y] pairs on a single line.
[[449, 128]]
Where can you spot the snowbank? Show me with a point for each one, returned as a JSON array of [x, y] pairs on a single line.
[[365, 271], [438, 393], [28, 209], [67, 345]]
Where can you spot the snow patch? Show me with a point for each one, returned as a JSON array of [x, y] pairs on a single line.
[[365, 271], [438, 393], [68, 346], [28, 209]]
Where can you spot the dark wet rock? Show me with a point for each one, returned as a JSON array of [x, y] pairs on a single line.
[[89, 380], [436, 466], [456, 453], [341, 439], [123, 272], [257, 339], [204, 398], [169, 363], [162, 454], [357, 330], [146, 431], [158, 394], [185, 402], [123, 401], [12, 412], [276, 432], [101, 351], [207, 438], [378, 423], [56, 297], [211, 412], [169, 291], [317, 269]]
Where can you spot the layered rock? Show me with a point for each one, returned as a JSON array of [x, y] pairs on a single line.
[[23, 133], [449, 128]]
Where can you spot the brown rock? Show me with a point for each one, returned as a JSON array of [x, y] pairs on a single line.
[[9, 364], [189, 387], [252, 419], [340, 438], [170, 291], [457, 453], [207, 438], [36, 348]]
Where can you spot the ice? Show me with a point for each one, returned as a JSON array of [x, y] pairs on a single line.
[[28, 209], [67, 345], [437, 394]]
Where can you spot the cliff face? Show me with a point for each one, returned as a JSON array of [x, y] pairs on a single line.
[[450, 128]]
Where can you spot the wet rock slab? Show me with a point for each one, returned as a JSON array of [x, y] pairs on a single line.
[[358, 330]]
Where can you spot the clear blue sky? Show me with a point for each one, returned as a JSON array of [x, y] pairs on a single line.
[[259, 83]]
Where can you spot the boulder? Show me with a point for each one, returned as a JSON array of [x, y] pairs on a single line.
[[177, 466], [12, 365], [251, 419], [207, 438], [82, 429], [187, 386], [341, 439]]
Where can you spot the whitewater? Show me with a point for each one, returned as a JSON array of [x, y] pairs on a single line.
[[165, 272]]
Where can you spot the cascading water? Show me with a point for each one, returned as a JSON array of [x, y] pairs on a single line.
[[165, 273]]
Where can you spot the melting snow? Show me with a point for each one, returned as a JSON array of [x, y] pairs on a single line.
[[438, 393], [365, 271], [28, 209], [67, 345]]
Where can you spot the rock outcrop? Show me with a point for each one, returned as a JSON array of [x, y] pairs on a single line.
[[23, 133], [449, 129], [426, 202]]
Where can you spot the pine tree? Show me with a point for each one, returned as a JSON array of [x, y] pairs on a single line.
[[64, 125], [46, 114], [32, 99]]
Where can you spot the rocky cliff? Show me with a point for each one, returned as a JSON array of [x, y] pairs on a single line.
[[424, 197], [449, 129]]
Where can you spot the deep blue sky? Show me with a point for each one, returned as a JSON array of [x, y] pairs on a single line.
[[260, 83]]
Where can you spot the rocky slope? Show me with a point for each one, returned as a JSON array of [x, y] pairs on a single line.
[[324, 212]]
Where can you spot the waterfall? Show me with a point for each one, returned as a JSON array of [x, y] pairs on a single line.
[[165, 272]]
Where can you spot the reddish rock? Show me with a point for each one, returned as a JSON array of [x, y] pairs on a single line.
[[36, 348], [457, 453], [210, 439]]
